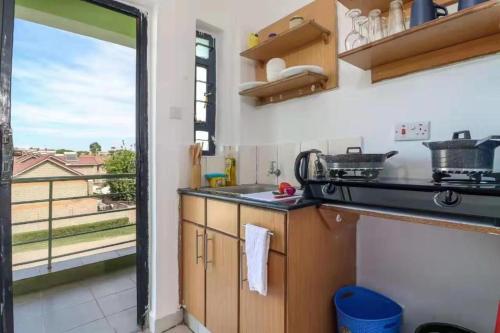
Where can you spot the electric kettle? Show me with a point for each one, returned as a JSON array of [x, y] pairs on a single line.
[[310, 165]]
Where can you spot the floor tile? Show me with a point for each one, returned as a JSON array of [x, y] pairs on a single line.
[[179, 329], [125, 321], [33, 324], [27, 298], [98, 326], [64, 295], [26, 310], [109, 284], [118, 302], [66, 318]]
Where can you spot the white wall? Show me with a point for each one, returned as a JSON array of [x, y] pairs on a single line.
[[437, 274]]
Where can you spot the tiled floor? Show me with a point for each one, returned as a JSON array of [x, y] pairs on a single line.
[[104, 304]]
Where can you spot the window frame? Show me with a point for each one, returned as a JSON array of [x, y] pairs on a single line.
[[210, 65]]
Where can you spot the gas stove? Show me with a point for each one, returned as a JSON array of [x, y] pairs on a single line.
[[477, 200]]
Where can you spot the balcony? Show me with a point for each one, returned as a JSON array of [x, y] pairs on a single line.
[[65, 222]]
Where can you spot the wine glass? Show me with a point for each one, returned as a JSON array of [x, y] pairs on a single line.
[[362, 28], [352, 36]]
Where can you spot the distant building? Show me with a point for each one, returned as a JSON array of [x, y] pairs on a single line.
[[35, 165]]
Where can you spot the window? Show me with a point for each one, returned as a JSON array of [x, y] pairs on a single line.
[[204, 104]]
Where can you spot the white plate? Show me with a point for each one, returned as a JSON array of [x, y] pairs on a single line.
[[250, 85], [291, 71]]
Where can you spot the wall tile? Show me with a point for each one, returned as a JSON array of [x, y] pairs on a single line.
[[215, 164], [265, 155], [203, 171], [314, 144], [246, 165], [339, 146], [287, 153]]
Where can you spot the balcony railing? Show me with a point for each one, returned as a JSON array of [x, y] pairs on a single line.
[[51, 219]]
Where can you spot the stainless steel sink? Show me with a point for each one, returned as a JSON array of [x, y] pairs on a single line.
[[240, 189]]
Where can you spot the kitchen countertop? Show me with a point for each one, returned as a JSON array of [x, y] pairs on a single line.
[[281, 205]]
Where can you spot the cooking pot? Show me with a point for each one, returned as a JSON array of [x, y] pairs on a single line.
[[463, 154]]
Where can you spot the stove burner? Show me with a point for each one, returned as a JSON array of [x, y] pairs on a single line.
[[361, 174], [466, 177]]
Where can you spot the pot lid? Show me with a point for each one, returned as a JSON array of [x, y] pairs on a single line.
[[462, 140]]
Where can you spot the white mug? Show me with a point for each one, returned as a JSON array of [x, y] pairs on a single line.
[[273, 68]]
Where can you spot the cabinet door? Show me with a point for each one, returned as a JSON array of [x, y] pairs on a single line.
[[222, 283], [193, 270], [264, 314]]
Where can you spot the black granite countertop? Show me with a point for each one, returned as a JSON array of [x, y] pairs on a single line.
[[281, 205]]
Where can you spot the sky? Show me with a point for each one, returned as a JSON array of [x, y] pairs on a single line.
[[70, 90]]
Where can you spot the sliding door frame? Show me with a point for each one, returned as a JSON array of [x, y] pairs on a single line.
[[142, 166]]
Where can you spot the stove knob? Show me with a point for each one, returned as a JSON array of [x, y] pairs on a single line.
[[329, 188], [447, 198]]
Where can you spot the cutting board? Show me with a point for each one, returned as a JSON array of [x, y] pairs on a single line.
[[269, 196]]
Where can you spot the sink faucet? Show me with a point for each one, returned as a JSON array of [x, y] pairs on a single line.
[[273, 169]]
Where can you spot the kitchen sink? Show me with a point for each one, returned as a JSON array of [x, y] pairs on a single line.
[[240, 189]]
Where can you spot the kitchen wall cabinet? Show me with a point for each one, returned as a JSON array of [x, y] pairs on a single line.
[[313, 253]]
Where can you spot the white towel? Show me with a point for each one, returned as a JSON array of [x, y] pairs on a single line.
[[257, 250]]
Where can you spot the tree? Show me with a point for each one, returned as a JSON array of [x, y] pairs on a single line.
[[122, 161], [95, 148], [62, 151]]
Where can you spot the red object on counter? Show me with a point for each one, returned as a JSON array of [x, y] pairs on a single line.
[[497, 327]]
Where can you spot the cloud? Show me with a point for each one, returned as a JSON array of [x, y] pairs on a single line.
[[89, 97]]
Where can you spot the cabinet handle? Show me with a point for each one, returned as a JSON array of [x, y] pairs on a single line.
[[242, 253], [197, 247], [206, 251]]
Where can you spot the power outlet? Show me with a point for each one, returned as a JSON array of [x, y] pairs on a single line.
[[413, 131]]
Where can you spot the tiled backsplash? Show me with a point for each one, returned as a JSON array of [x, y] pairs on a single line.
[[253, 163]]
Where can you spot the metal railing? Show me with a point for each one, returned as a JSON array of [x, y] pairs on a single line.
[[51, 218]]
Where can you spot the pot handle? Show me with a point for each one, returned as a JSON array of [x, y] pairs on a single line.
[[456, 135], [491, 137], [350, 150], [391, 153]]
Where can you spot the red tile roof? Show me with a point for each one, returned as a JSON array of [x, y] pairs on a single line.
[[27, 162]]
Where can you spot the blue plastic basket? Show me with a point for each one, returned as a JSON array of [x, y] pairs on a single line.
[[360, 310]]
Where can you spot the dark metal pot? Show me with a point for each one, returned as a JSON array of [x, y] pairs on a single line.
[[355, 159], [463, 153]]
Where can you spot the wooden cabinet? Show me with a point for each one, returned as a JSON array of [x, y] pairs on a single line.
[[222, 283], [264, 314], [313, 254], [193, 273]]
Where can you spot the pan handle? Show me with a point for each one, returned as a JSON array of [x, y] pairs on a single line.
[[350, 150], [391, 153], [456, 135], [491, 137]]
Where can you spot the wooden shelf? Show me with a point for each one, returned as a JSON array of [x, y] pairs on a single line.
[[295, 86], [287, 41], [462, 35], [383, 5]]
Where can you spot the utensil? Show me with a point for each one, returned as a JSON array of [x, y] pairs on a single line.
[[295, 21], [462, 154], [294, 70], [195, 152], [375, 28], [362, 23], [353, 35], [355, 160], [273, 68], [463, 4], [396, 22], [249, 85], [425, 10]]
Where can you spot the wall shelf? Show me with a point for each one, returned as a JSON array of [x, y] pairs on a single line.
[[383, 5], [466, 34], [287, 41], [295, 86]]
